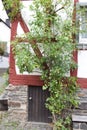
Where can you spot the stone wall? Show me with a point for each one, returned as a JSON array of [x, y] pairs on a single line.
[[17, 102], [79, 116], [79, 126], [18, 109]]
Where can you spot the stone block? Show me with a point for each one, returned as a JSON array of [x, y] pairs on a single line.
[[3, 104], [14, 104], [76, 125], [83, 126], [79, 118], [83, 106], [38, 126]]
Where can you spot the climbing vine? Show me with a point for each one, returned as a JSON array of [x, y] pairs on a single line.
[[13, 8], [51, 29]]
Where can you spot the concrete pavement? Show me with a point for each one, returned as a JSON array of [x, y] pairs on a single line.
[[4, 62]]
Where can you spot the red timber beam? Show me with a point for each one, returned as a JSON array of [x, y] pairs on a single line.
[[15, 78], [81, 81], [75, 52]]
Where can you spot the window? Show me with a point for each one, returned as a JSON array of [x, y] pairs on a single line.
[[83, 25], [82, 45]]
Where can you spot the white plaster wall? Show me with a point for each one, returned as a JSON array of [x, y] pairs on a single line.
[[82, 56], [82, 0], [4, 30], [82, 64]]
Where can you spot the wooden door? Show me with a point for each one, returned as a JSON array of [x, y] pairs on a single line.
[[37, 112]]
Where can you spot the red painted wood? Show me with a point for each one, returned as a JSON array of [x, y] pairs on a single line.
[[25, 29], [75, 53], [82, 82], [26, 0], [29, 79], [24, 26], [13, 77], [75, 1], [26, 80], [75, 58]]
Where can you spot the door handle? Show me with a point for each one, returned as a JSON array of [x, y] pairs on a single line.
[[30, 98]]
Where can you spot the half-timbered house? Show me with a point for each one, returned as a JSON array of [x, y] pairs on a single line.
[[26, 94]]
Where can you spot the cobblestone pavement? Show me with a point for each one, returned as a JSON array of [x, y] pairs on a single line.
[[7, 122]]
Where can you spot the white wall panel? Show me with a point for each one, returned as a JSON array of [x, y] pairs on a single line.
[[82, 64]]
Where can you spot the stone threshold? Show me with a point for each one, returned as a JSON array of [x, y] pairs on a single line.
[[40, 126], [79, 118]]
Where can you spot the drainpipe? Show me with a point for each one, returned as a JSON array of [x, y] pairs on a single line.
[[4, 23]]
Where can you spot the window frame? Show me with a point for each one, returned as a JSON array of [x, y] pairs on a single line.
[[81, 39]]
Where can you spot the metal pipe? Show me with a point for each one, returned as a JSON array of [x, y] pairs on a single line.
[[4, 23]]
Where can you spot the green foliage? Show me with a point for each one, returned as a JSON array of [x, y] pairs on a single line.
[[5, 82], [1, 52], [25, 60], [6, 77], [52, 28], [13, 7]]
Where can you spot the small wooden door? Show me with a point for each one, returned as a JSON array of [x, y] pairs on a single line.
[[37, 112]]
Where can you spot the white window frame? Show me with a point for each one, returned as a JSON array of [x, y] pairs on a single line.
[[82, 40]]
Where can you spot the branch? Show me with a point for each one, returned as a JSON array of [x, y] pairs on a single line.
[[35, 48], [59, 9]]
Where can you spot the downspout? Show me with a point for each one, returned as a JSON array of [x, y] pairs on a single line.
[[5, 23]]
